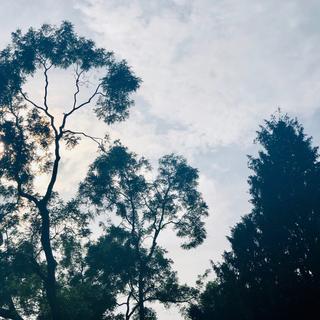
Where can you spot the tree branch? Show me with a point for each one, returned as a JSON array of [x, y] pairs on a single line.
[[55, 167], [169, 300], [23, 194], [133, 311], [77, 88], [159, 227], [46, 69], [51, 117], [95, 139], [30, 101], [75, 108]]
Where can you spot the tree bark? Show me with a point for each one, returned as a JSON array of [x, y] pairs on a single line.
[[142, 315], [50, 280]]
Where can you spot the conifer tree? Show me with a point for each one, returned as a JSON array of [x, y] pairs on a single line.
[[273, 268]]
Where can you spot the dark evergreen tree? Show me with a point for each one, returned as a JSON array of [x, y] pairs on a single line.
[[273, 268]]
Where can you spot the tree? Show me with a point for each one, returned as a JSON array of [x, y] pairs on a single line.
[[32, 137], [117, 182], [272, 271]]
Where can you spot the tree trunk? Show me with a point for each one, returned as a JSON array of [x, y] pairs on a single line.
[[50, 281], [142, 315]]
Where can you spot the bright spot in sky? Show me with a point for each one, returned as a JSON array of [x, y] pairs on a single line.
[[1, 148]]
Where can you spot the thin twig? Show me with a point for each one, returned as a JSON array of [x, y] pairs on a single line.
[[97, 140]]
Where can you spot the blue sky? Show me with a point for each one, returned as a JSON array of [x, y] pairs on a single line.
[[212, 70]]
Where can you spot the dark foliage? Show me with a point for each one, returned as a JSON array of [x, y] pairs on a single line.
[[41, 236], [272, 271], [130, 254]]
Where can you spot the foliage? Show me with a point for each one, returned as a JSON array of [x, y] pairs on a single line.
[[273, 268], [41, 236], [48, 267], [117, 182]]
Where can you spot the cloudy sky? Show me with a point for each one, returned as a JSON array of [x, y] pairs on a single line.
[[212, 70]]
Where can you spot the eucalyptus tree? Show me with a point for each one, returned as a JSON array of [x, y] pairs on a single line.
[[32, 136], [118, 181]]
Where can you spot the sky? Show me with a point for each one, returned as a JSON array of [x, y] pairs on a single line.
[[212, 70]]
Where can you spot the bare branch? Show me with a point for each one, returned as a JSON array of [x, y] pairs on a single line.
[[46, 69], [121, 304], [75, 108], [77, 88], [133, 291], [169, 300], [30, 101], [88, 101], [51, 117], [102, 94], [97, 140]]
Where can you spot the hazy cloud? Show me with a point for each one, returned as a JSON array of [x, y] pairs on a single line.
[[215, 67]]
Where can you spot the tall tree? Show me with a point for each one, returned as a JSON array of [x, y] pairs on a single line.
[[117, 182], [32, 137], [272, 271]]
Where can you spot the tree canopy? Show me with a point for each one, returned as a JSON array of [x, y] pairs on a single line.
[[50, 267], [32, 138], [272, 270], [117, 182]]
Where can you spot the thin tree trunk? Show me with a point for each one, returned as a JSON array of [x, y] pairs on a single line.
[[141, 298], [50, 281]]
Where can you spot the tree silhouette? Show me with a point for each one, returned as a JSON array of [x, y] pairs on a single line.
[[32, 137], [117, 182], [272, 271]]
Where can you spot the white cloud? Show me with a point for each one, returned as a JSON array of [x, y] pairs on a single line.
[[211, 70], [215, 67]]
